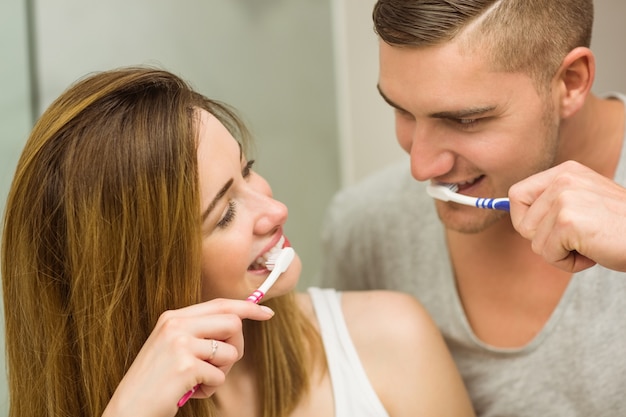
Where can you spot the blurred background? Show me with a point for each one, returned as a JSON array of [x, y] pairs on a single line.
[[302, 74]]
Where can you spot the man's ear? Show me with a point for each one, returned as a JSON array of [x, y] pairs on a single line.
[[574, 80]]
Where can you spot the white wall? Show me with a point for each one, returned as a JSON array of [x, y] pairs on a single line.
[[366, 133], [607, 43]]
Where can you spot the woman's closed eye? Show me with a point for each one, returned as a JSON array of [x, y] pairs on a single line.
[[247, 169], [228, 216]]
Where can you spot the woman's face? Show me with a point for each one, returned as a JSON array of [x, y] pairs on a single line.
[[241, 222]]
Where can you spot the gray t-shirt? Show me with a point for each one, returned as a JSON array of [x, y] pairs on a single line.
[[384, 233]]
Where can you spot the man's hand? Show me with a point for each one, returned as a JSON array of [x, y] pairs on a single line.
[[573, 216]]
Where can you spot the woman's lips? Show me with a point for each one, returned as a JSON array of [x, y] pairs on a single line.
[[259, 262]]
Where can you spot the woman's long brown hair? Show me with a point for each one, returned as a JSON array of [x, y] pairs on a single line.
[[101, 236]]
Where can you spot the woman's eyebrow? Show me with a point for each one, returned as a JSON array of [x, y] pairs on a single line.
[[217, 198], [222, 191]]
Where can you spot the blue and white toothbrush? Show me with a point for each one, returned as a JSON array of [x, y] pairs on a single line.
[[448, 192]]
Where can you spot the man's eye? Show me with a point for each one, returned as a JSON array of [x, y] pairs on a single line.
[[466, 123]]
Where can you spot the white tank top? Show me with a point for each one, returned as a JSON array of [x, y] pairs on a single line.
[[353, 393]]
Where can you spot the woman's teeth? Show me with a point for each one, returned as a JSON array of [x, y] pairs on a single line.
[[259, 263]]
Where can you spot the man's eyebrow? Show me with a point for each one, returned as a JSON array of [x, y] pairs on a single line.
[[464, 113], [452, 114], [217, 198], [387, 99]]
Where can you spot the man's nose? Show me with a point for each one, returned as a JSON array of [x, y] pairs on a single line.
[[430, 157]]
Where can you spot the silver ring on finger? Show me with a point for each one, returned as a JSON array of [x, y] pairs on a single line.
[[213, 349]]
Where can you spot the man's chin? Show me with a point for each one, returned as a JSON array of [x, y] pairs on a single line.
[[468, 220]]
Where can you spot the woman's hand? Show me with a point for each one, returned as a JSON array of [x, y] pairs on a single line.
[[573, 216], [190, 346]]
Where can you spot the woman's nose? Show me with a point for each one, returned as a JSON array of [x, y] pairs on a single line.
[[270, 213]]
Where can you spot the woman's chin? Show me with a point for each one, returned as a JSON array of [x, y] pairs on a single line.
[[288, 280]]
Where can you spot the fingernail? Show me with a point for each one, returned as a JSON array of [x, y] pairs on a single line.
[[268, 310]]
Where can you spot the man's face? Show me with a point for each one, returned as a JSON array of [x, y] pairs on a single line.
[[463, 123]]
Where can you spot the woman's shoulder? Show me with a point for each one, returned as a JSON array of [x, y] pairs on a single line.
[[374, 312], [404, 354], [377, 313], [398, 317]]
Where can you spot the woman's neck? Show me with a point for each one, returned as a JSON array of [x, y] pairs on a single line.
[[237, 397]]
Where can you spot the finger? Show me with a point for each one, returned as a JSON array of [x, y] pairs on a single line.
[[194, 334], [549, 243], [218, 353], [558, 237], [219, 357], [216, 326], [243, 309], [527, 191], [574, 262], [526, 207], [218, 318], [207, 379], [532, 197]]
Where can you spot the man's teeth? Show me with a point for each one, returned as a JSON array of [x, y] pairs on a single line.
[[470, 182]]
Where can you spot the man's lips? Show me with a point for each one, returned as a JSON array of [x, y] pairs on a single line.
[[465, 187]]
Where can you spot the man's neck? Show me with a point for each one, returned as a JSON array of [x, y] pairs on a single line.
[[594, 136], [508, 292]]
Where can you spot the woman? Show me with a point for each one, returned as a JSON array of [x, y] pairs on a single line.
[[134, 229]]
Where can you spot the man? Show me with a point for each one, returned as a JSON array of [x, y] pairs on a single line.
[[494, 96]]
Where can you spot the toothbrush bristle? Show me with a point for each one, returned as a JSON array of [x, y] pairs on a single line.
[[271, 262], [452, 187], [282, 259]]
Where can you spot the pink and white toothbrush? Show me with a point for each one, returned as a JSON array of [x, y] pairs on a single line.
[[277, 264]]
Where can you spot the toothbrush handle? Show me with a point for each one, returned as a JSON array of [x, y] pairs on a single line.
[[256, 296], [187, 396], [493, 203]]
